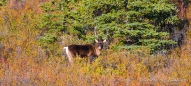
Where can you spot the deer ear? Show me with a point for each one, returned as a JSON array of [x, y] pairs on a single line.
[[96, 40], [104, 41]]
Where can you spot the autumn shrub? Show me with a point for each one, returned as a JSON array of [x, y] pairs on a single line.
[[26, 61], [18, 35]]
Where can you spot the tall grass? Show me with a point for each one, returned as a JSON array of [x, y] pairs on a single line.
[[24, 62]]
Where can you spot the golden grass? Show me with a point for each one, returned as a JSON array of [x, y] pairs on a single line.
[[26, 63]]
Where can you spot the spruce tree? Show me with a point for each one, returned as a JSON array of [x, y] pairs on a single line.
[[134, 23]]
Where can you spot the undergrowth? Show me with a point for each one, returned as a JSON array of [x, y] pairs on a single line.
[[25, 62]]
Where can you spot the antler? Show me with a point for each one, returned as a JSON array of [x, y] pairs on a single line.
[[95, 32]]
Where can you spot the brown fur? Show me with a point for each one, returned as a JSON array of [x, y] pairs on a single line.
[[87, 50]]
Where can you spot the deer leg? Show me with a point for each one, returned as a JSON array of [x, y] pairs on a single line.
[[70, 59], [91, 58]]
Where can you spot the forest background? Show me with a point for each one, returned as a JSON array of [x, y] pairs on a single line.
[[148, 42]]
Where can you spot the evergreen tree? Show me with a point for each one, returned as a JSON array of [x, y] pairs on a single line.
[[132, 22]]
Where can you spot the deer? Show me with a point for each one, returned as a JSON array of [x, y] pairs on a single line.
[[89, 51]]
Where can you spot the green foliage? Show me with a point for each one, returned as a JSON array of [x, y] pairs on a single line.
[[47, 39], [142, 20], [51, 26], [24, 62], [3, 2], [145, 23]]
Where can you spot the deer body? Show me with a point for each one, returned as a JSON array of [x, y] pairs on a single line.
[[84, 50], [90, 51]]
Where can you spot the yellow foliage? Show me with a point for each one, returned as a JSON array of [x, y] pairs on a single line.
[[26, 63]]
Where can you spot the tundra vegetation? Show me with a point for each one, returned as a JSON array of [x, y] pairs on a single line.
[[148, 42]]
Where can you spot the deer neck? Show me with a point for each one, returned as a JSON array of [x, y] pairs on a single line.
[[97, 50]]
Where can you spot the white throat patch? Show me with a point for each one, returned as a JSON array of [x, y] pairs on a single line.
[[99, 47]]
